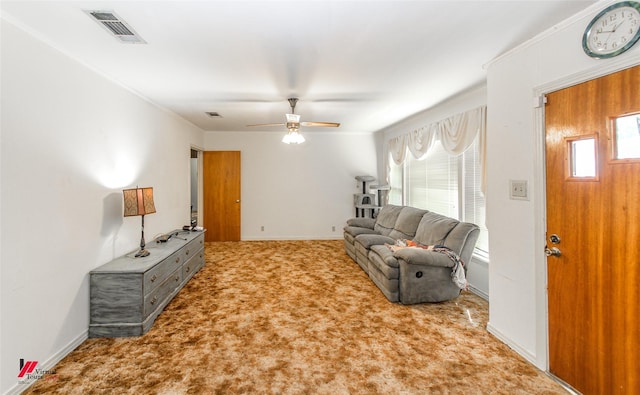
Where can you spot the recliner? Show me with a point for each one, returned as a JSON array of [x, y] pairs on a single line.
[[411, 275]]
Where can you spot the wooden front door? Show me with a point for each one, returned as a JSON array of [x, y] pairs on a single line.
[[221, 195], [593, 219]]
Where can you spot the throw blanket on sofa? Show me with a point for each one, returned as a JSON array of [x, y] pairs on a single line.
[[457, 272], [407, 244]]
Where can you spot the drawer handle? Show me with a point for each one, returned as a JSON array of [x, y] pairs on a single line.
[[177, 259], [177, 278], [154, 278], [188, 269], [187, 252], [154, 300]]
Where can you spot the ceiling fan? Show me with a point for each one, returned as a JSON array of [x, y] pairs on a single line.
[[293, 124]]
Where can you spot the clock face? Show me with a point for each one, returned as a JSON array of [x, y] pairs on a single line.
[[613, 31]]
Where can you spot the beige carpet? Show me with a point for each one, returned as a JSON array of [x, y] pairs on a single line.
[[299, 317]]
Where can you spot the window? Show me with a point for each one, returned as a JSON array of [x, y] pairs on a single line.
[[583, 157], [627, 137], [432, 182], [445, 184], [396, 182]]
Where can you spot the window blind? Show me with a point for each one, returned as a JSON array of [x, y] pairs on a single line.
[[432, 182], [474, 207], [445, 184], [396, 183]]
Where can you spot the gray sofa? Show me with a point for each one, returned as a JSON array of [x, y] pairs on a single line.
[[415, 274]]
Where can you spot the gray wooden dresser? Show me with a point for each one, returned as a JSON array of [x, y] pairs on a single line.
[[127, 294]]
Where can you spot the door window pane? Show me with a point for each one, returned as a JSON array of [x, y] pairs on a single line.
[[583, 158], [627, 137]]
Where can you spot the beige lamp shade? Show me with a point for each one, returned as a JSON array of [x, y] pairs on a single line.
[[138, 201]]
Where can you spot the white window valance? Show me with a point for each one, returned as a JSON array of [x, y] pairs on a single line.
[[398, 148], [456, 134]]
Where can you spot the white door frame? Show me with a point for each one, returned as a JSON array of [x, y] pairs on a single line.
[[604, 67]]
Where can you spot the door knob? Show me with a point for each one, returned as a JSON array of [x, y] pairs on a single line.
[[237, 200], [553, 251]]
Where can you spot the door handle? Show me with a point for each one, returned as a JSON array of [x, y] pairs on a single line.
[[237, 200], [553, 251]]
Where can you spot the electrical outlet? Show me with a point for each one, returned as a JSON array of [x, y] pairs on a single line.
[[518, 190], [262, 229], [333, 228]]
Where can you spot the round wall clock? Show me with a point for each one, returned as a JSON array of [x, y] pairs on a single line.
[[613, 31]]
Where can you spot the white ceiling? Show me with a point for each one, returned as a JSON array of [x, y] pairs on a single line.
[[365, 64]]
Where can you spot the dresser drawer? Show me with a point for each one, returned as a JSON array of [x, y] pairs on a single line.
[[194, 247], [193, 265], [159, 294], [159, 273]]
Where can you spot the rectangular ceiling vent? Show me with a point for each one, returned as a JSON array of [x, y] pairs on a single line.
[[116, 26], [213, 114]]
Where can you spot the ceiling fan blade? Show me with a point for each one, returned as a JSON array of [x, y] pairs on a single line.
[[321, 124], [267, 124], [293, 120]]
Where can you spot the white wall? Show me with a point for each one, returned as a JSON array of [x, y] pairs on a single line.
[[71, 141], [471, 98], [297, 191], [477, 270], [517, 273]]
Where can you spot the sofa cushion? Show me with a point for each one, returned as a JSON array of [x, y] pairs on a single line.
[[354, 231], [407, 223], [384, 254], [365, 241], [434, 228], [387, 219]]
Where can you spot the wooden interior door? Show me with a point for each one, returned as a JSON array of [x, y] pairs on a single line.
[[593, 286], [221, 195]]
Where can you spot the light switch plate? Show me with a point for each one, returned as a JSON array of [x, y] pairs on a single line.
[[518, 190]]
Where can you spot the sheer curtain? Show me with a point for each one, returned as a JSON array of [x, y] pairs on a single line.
[[398, 149]]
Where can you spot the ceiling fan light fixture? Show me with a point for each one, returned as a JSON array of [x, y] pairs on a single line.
[[293, 118], [293, 124], [293, 137]]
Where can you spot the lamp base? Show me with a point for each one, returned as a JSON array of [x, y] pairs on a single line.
[[142, 253]]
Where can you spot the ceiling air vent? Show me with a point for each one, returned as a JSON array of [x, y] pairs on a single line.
[[116, 26], [213, 114]]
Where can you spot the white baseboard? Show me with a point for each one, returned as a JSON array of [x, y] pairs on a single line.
[[479, 293], [515, 347], [18, 388], [292, 238]]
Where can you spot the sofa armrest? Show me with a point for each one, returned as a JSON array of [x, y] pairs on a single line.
[[362, 222], [422, 257]]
